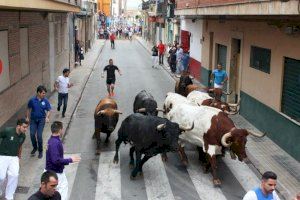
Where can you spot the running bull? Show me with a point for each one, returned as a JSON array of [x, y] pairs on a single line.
[[214, 131], [148, 135], [106, 117], [203, 98], [144, 103], [182, 84]]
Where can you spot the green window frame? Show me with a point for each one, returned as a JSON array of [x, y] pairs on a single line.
[[260, 59]]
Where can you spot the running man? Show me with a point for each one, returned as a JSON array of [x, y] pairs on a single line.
[[218, 77], [110, 77]]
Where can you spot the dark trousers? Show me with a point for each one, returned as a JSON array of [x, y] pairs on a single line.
[[63, 97], [173, 66], [36, 133], [161, 59], [112, 44]]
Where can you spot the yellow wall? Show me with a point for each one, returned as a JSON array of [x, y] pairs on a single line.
[[266, 88], [104, 6]]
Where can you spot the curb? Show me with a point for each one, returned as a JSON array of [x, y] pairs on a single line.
[[81, 93]]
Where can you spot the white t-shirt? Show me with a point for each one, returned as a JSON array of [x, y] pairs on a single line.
[[63, 83], [251, 195]]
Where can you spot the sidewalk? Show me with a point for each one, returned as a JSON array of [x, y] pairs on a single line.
[[264, 154], [31, 168]]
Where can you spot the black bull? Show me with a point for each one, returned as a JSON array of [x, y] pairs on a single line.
[[144, 103], [149, 135]]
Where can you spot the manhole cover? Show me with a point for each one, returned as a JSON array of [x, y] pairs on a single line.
[[22, 190]]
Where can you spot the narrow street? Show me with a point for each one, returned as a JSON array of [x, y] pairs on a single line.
[[96, 177]]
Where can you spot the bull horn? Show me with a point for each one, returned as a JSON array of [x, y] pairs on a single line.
[[141, 110], [117, 111], [185, 128], [256, 134], [101, 112], [161, 127], [231, 112], [224, 138], [160, 110], [226, 93]]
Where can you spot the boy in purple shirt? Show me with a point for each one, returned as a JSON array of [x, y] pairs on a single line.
[[55, 160]]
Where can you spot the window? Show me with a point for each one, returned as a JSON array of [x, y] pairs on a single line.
[[260, 59], [290, 103]]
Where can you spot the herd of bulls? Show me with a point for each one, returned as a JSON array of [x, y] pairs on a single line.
[[190, 116]]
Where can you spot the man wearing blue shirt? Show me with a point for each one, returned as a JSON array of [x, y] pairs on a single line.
[[219, 77], [55, 160], [266, 191], [39, 109]]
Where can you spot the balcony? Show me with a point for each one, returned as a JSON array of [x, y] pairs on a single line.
[[42, 5], [237, 7]]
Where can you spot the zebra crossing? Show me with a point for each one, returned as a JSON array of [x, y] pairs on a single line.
[[158, 184]]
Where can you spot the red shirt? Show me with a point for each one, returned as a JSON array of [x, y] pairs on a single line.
[[161, 48], [112, 37]]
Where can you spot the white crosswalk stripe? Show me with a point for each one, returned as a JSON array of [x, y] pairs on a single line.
[[70, 172], [202, 182], [156, 180], [157, 183], [109, 178]]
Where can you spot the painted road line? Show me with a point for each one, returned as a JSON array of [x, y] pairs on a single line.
[[156, 180], [109, 178], [242, 173], [71, 171], [202, 182]]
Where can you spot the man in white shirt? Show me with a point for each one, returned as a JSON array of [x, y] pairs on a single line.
[[266, 191], [62, 85]]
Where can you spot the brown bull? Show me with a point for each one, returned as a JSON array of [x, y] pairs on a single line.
[[106, 117], [230, 109]]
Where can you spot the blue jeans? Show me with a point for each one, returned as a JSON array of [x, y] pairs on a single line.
[[61, 97], [36, 133]]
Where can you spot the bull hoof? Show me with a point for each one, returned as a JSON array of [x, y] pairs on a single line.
[[98, 152], [164, 158], [131, 165], [185, 163], [132, 177], [216, 182]]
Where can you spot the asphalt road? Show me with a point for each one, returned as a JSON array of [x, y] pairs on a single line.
[[96, 177]]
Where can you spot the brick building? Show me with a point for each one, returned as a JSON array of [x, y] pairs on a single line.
[[36, 43]]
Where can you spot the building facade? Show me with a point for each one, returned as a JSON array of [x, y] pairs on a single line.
[[35, 46], [254, 42]]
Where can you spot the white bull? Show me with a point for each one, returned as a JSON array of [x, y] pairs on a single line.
[[173, 99], [185, 114], [198, 97]]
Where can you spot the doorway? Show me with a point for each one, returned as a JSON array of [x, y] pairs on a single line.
[[234, 70]]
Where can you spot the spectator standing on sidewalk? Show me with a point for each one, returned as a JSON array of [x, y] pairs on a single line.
[[62, 85], [161, 52], [55, 160], [179, 57], [39, 109], [47, 191], [185, 61], [172, 59], [154, 56], [266, 191], [10, 153]]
